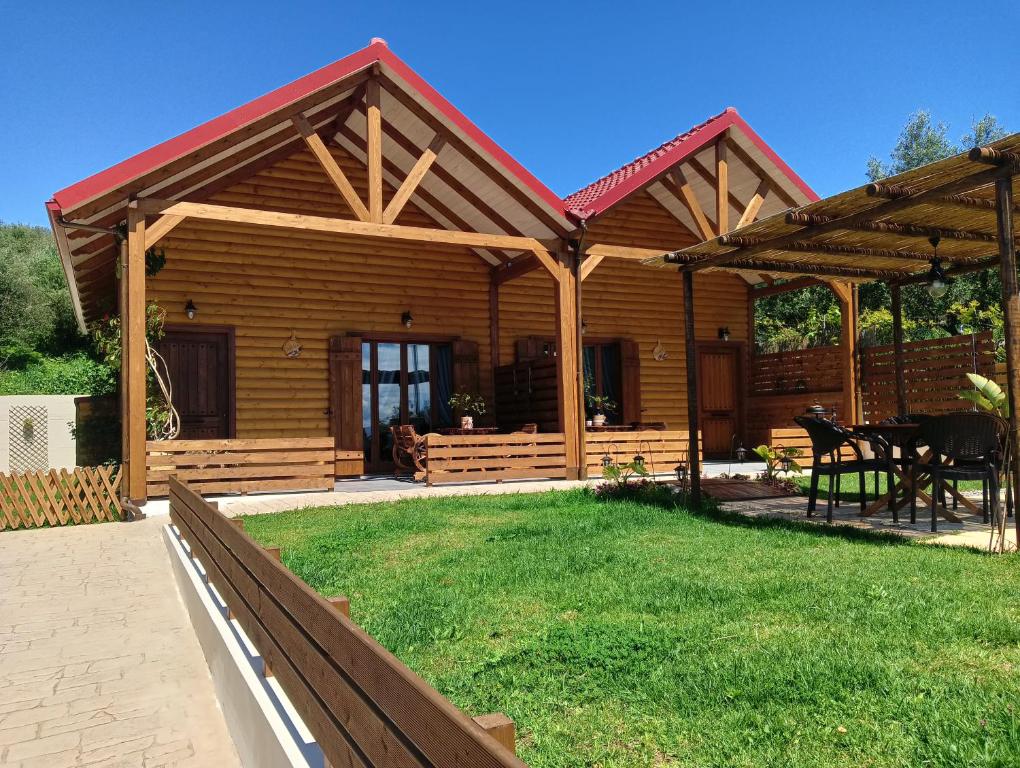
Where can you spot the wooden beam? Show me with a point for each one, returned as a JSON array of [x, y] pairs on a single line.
[[567, 395], [902, 407], [691, 356], [160, 229], [690, 201], [790, 285], [589, 264], [522, 265], [995, 157], [1011, 323], [374, 135], [954, 186], [791, 268], [754, 204], [252, 216], [893, 191], [622, 251], [830, 249], [907, 229], [133, 344], [413, 179], [329, 165], [547, 260], [738, 152], [722, 185]]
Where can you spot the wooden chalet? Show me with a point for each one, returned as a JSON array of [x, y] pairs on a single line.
[[348, 250]]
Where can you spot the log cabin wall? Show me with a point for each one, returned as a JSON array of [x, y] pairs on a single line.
[[626, 299], [266, 283]]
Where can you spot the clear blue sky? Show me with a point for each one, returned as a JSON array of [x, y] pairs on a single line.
[[571, 90]]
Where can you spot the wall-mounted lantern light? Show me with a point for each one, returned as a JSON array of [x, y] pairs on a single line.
[[724, 334], [190, 309], [407, 319]]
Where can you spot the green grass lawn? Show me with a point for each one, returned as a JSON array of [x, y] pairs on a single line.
[[621, 633]]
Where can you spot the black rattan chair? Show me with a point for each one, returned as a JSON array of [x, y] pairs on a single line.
[[964, 446], [827, 441]]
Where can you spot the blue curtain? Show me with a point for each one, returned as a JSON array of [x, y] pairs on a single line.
[[443, 377]]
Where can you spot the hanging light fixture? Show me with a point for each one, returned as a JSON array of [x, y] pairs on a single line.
[[639, 461], [607, 461], [938, 282], [785, 461]]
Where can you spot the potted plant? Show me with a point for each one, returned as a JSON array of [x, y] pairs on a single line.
[[467, 406], [600, 405]]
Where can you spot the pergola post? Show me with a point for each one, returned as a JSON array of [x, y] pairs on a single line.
[[848, 346], [902, 407], [1011, 320], [567, 356], [133, 359], [691, 355]]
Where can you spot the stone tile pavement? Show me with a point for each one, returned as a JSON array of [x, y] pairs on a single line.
[[99, 665]]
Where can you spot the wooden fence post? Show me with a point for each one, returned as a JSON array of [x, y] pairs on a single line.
[[500, 727], [342, 604]]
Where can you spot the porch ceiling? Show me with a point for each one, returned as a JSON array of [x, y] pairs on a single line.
[[877, 231]]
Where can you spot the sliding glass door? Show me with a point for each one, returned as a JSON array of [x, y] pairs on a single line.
[[403, 382]]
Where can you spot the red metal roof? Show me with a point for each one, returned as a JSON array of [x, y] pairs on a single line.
[[377, 51], [614, 187]]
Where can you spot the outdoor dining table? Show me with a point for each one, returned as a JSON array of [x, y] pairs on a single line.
[[898, 435]]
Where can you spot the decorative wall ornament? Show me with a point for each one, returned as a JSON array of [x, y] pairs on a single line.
[[659, 352], [292, 347]]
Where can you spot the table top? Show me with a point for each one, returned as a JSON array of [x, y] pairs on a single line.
[[884, 427], [472, 431]]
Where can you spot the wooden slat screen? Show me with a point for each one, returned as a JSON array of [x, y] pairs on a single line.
[[935, 371], [465, 459], [362, 705], [242, 466], [662, 450], [59, 497], [801, 370]]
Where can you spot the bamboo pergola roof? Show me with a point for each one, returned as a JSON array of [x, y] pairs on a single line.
[[877, 231]]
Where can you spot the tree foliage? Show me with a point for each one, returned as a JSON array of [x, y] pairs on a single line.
[[810, 317]]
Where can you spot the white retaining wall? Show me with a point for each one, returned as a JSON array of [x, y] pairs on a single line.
[[47, 442]]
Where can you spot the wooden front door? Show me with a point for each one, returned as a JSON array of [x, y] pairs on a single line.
[[719, 395], [200, 364]]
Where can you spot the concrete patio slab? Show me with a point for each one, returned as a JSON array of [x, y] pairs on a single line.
[[99, 665]]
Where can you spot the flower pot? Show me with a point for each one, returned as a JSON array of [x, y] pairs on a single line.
[[599, 420], [467, 422]]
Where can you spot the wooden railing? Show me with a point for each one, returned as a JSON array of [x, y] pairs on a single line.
[[518, 456], [362, 705], [662, 450], [59, 497], [935, 371], [801, 370], [242, 466]]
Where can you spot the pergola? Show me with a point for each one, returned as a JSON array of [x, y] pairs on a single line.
[[960, 208]]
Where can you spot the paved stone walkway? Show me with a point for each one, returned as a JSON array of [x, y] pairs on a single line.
[[98, 662]]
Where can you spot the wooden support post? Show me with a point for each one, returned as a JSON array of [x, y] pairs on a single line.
[[500, 727], [902, 407], [342, 604], [133, 350], [847, 346], [722, 186], [494, 321], [566, 365], [691, 353], [122, 310], [374, 133], [1011, 322]]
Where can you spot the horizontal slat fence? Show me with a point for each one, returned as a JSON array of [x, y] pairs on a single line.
[[59, 497], [242, 466], [362, 705], [520, 456], [795, 437], [662, 450], [935, 371], [801, 370]]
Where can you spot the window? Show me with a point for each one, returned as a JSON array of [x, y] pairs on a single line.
[[602, 377]]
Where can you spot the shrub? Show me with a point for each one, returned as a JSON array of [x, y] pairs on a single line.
[[76, 374]]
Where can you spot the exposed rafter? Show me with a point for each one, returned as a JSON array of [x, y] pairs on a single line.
[[754, 204], [413, 179], [686, 195], [329, 165], [907, 229]]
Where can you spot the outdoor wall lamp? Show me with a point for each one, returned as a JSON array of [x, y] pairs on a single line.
[[407, 319], [639, 461], [584, 327], [724, 334], [190, 309], [938, 283], [741, 453], [681, 474], [607, 461]]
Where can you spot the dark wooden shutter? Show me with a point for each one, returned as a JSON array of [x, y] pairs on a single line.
[[630, 381], [345, 403], [465, 367]]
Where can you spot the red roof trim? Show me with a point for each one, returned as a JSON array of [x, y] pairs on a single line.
[[217, 128], [636, 174]]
